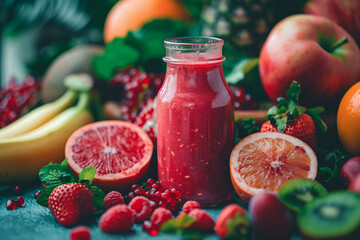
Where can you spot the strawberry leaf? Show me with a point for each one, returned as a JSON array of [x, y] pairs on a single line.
[[239, 227], [87, 175], [99, 196], [181, 226], [56, 174], [45, 194]]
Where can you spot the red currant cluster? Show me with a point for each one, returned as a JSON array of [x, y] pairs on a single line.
[[243, 100], [16, 98], [138, 87], [159, 197]]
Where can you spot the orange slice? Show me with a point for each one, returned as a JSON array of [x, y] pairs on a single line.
[[264, 161]]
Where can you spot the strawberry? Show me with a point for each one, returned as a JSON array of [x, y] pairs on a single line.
[[290, 118], [69, 203]]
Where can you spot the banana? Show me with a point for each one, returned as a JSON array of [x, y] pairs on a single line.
[[38, 116], [45, 113], [22, 157]]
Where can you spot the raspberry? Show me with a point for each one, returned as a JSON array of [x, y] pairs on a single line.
[[203, 221], [141, 208], [228, 213], [160, 216], [80, 233], [112, 198], [117, 219], [190, 205]]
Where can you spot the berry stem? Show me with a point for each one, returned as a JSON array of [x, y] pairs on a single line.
[[339, 43]]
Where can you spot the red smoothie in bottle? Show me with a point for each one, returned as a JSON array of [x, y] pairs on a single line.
[[195, 121]]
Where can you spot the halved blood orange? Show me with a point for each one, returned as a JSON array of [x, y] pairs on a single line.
[[264, 161], [120, 151]]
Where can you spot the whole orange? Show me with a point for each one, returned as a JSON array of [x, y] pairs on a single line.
[[128, 15], [348, 120]]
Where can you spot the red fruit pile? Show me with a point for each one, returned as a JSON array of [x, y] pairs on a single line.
[[243, 100], [16, 98], [159, 197], [139, 88]]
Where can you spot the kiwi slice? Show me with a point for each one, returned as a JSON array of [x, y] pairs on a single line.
[[296, 193], [334, 216]]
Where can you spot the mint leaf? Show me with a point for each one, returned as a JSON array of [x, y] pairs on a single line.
[[87, 174], [45, 194], [118, 55], [99, 196], [181, 222], [239, 227], [56, 174], [64, 162]]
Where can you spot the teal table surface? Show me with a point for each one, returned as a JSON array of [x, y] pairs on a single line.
[[35, 222]]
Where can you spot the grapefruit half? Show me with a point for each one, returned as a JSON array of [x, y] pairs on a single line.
[[120, 151], [264, 161]]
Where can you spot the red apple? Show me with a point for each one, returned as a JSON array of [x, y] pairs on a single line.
[[350, 169], [269, 217], [355, 184], [346, 13], [311, 50]]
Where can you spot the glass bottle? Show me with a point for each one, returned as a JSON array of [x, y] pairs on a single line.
[[195, 121]]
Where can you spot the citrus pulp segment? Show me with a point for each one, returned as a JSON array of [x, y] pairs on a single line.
[[120, 152], [264, 161]]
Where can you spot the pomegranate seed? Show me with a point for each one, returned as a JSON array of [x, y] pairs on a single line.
[[131, 195], [37, 194], [166, 197], [135, 187], [175, 193], [150, 182], [153, 205], [140, 192], [162, 204], [157, 195], [149, 228], [156, 186], [20, 202], [11, 205], [17, 190]]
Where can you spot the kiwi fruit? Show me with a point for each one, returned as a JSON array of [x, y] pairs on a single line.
[[335, 216], [296, 193]]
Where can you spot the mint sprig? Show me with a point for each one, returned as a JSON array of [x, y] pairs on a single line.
[[53, 175], [181, 225], [142, 48]]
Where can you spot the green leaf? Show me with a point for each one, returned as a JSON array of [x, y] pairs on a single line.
[[87, 174], [244, 72], [99, 196], [64, 162], [118, 55], [294, 92], [281, 124], [56, 174], [239, 227], [170, 226], [45, 194]]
